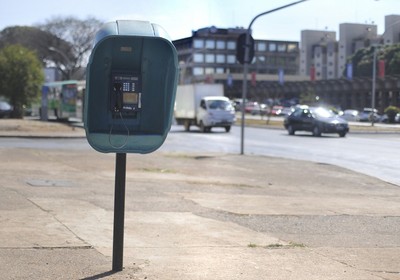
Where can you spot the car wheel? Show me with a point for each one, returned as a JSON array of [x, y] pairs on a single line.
[[342, 134], [316, 131], [202, 127], [227, 128], [187, 125], [290, 130]]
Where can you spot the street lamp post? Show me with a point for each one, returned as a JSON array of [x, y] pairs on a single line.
[[246, 69], [376, 46], [373, 86]]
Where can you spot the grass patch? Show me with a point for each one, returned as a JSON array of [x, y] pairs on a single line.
[[296, 245], [274, 246], [156, 170], [291, 245]]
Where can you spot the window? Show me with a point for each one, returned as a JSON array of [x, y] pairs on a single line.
[[198, 57], [220, 58], [210, 58], [231, 45], [281, 47], [262, 46], [298, 113], [210, 44], [292, 47], [272, 47], [219, 105], [198, 71], [209, 71], [219, 70], [231, 58], [220, 45], [198, 44]]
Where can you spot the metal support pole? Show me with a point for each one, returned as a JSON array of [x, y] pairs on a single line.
[[244, 90], [119, 212], [245, 68], [373, 87]]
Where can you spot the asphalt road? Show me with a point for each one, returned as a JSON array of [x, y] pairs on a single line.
[[373, 154]]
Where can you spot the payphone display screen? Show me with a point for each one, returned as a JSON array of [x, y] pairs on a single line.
[[130, 97]]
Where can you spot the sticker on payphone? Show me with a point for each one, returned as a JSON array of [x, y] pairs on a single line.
[[125, 97]]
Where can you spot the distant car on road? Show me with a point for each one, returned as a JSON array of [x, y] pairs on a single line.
[[5, 109], [367, 114], [276, 110], [397, 118], [286, 111], [256, 108], [317, 120], [351, 115]]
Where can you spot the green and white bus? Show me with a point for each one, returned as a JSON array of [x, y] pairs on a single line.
[[64, 99]]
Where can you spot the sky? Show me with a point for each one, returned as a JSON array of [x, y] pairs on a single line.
[[180, 17]]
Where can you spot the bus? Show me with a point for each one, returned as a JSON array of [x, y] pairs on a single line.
[[64, 99]]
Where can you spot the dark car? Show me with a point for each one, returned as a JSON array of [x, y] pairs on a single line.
[[316, 120], [5, 109]]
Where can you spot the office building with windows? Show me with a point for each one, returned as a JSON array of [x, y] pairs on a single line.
[[318, 54], [210, 54], [323, 57]]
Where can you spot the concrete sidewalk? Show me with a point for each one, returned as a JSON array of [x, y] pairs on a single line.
[[194, 216]]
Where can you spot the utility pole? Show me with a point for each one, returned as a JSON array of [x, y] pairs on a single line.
[[246, 67]]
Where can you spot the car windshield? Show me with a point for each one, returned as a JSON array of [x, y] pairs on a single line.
[[323, 113], [219, 104], [5, 106]]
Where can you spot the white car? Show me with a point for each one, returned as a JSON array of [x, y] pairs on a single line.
[[350, 115], [366, 115]]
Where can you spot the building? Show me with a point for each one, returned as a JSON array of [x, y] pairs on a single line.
[[323, 57], [318, 54], [210, 54], [392, 30], [317, 65], [353, 37]]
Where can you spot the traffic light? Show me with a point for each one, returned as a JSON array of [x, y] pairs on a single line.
[[241, 48]]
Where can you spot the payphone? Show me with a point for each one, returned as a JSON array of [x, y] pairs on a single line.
[[125, 95], [131, 82], [130, 89]]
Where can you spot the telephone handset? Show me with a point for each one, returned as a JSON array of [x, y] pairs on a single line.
[[125, 95]]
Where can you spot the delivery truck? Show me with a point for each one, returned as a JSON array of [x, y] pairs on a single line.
[[203, 105]]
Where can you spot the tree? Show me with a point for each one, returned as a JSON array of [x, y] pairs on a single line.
[[391, 113], [70, 58], [31, 38], [308, 97], [21, 77], [362, 60]]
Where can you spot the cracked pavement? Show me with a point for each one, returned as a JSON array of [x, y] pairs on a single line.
[[194, 216]]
